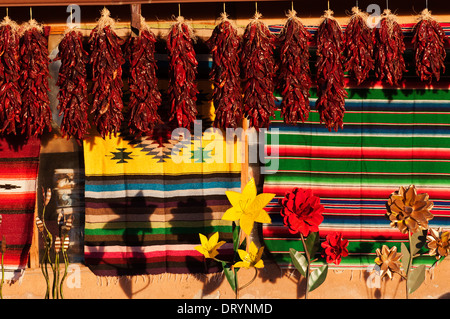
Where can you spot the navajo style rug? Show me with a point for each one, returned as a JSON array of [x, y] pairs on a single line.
[[19, 163], [147, 201], [391, 138]]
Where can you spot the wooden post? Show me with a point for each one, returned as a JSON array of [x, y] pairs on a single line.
[[135, 19], [33, 260]]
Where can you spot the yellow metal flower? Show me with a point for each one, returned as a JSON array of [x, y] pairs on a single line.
[[388, 260], [248, 207], [250, 259], [409, 211], [209, 247], [438, 243]]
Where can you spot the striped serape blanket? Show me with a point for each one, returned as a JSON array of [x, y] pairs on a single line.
[[19, 163], [145, 206], [391, 138]]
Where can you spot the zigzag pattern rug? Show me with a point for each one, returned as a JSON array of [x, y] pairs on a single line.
[[144, 210]]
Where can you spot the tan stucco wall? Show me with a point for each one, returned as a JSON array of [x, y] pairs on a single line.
[[270, 284]]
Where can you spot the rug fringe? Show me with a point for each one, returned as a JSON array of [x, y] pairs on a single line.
[[157, 278]]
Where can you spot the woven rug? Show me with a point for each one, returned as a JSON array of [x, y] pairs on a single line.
[[145, 210], [391, 138], [19, 162]]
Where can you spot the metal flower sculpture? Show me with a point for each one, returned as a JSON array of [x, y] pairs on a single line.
[[409, 211], [247, 208], [389, 261], [60, 246], [438, 241]]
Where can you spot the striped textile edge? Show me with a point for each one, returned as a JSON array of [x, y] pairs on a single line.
[[19, 163], [391, 138], [144, 214]]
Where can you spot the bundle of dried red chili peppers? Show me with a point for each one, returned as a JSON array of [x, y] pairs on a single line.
[[359, 41], [225, 47], [330, 74], [388, 50], [72, 81], [258, 72], [295, 75], [429, 47], [183, 64], [145, 97], [36, 115], [107, 60], [10, 96]]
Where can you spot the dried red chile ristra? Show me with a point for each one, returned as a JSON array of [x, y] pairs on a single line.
[[106, 60], [36, 115], [145, 97], [258, 73], [72, 82], [388, 50], [330, 74], [182, 89], [359, 42], [429, 47], [225, 47], [295, 75], [10, 95]]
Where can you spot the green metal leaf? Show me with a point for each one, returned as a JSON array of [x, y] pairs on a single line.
[[230, 274], [312, 244], [317, 277], [299, 261], [405, 257], [236, 237], [416, 278], [418, 240]]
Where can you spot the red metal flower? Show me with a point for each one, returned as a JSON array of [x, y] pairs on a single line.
[[335, 248], [302, 211]]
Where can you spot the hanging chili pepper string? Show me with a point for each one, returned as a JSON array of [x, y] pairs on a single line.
[[330, 74], [294, 79], [145, 97], [258, 72], [429, 47], [182, 89], [36, 115], [107, 60], [72, 82], [225, 47], [10, 95], [359, 39], [388, 50]]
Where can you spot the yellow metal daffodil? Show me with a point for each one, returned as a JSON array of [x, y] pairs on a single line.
[[209, 247], [248, 207], [250, 259]]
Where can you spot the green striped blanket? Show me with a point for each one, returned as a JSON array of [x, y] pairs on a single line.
[[391, 138]]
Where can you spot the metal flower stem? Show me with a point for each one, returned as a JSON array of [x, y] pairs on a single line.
[[66, 265], [251, 281], [56, 277], [46, 259], [308, 259], [409, 265]]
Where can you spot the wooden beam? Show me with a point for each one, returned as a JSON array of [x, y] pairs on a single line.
[[28, 3], [135, 19]]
